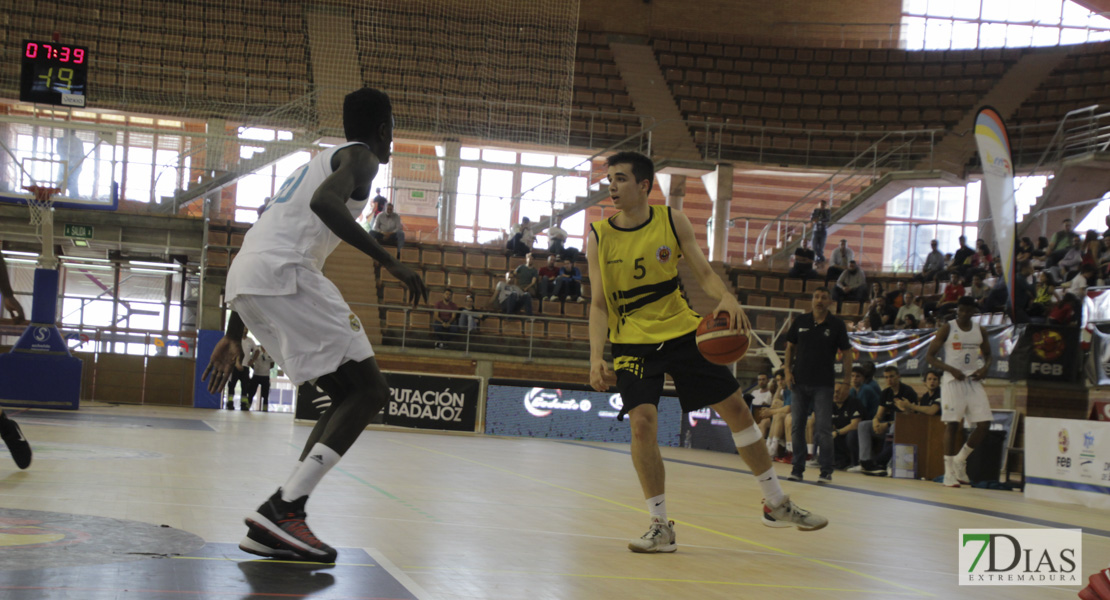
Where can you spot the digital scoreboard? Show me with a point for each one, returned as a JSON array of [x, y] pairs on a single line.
[[54, 73]]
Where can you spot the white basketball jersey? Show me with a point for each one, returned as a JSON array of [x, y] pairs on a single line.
[[287, 235], [961, 349]]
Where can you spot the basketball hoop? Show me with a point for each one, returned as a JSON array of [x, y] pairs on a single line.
[[41, 206], [41, 201]]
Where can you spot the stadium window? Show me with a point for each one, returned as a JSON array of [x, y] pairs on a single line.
[[252, 190], [919, 215], [962, 24]]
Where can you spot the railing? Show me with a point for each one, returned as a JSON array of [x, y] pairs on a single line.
[[784, 146], [892, 151]]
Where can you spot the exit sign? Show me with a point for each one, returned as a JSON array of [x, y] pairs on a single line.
[[79, 231]]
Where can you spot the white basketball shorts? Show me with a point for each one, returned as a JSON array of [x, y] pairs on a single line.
[[310, 332], [967, 398]]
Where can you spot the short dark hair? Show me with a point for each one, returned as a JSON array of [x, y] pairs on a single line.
[[364, 111], [820, 288], [967, 301], [860, 370], [642, 166], [890, 369], [929, 372]]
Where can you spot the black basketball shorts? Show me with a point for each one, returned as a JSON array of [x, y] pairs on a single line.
[[640, 369]]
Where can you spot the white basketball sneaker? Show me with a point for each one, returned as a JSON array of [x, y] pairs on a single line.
[[659, 538], [789, 514]]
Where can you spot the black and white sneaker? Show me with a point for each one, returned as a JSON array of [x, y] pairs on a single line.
[[278, 530], [15, 441]]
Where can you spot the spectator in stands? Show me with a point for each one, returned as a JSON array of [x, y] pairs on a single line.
[[386, 228], [1092, 248], [523, 238], [908, 322], [528, 278], [762, 396], [511, 297], [929, 322], [1024, 250], [1088, 276], [820, 219], [846, 416], [469, 317], [1068, 265], [851, 285], [377, 204], [1044, 298], [882, 425], [568, 285], [803, 263], [1104, 256], [982, 258], [953, 291], [1023, 293], [912, 307], [896, 298], [977, 290], [879, 314], [1060, 243], [961, 260], [445, 320], [1066, 311], [779, 413], [841, 256], [557, 239], [934, 269], [876, 290], [546, 282]]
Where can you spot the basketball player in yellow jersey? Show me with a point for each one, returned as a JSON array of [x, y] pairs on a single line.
[[633, 261]]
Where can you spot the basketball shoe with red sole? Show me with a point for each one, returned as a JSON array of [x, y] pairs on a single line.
[[278, 530]]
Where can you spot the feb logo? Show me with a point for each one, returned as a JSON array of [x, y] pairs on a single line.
[[663, 254], [355, 325], [1048, 344], [1062, 441]]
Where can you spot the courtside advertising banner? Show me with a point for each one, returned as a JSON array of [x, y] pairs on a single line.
[[998, 181], [1068, 460], [1021, 557], [518, 409], [432, 402], [421, 401]]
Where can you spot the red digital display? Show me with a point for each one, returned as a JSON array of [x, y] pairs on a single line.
[[58, 52]]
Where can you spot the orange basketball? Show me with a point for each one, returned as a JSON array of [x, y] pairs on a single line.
[[718, 342]]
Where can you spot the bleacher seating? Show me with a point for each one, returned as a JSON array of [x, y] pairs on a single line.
[[604, 112]]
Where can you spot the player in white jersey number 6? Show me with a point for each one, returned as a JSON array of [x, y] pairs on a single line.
[[962, 393], [276, 287]]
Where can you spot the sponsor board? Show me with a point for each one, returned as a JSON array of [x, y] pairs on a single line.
[[1068, 460]]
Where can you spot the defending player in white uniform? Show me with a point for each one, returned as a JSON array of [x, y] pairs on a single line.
[[962, 393], [276, 287]]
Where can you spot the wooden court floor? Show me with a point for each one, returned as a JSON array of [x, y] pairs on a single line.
[[461, 517]]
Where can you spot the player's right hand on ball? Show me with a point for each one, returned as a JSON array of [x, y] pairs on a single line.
[[601, 376], [412, 282]]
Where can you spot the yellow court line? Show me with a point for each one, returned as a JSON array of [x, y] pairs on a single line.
[[685, 523], [663, 580], [272, 560]]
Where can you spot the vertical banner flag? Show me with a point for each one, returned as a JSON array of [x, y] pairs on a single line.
[[998, 181]]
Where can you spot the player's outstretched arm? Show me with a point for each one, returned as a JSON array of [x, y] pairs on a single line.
[[354, 169], [708, 280], [601, 377], [227, 356], [10, 302]]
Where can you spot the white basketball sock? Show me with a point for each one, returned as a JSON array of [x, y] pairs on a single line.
[[964, 453], [811, 448], [657, 506], [773, 446], [790, 447], [772, 490], [308, 473]]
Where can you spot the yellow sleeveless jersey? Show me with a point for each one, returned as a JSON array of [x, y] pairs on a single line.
[[639, 277]]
